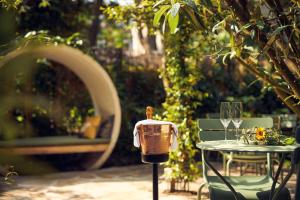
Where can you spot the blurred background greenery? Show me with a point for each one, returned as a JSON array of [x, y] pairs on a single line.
[[176, 74]]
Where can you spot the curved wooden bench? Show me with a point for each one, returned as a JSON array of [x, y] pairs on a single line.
[[105, 100], [53, 145]]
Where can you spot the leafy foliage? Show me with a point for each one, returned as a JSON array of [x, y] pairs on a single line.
[[181, 75], [10, 4], [259, 31], [181, 102], [194, 81]]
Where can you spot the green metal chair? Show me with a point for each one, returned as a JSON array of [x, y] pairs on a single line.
[[241, 158], [253, 158], [248, 187]]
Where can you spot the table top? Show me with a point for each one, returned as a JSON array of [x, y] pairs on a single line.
[[233, 146]]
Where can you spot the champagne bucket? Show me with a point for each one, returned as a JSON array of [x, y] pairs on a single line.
[[155, 138]]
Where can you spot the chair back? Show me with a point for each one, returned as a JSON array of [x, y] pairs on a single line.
[[212, 129], [212, 115]]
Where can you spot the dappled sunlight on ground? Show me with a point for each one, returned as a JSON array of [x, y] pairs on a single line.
[[129, 182]]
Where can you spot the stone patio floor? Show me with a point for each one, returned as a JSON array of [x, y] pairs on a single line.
[[115, 183]]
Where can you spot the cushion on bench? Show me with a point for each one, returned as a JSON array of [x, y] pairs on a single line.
[[52, 141]]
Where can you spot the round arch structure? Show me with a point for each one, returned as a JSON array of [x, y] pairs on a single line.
[[101, 88]]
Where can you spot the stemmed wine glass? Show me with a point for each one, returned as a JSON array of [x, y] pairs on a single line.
[[225, 116], [237, 110]]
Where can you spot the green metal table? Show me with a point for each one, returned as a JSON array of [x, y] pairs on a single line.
[[233, 146]]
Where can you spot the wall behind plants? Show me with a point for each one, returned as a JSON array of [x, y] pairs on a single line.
[[232, 83], [44, 98], [137, 89]]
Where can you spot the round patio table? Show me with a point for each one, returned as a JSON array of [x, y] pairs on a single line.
[[233, 146]]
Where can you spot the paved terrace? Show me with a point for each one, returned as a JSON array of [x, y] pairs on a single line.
[[116, 183]]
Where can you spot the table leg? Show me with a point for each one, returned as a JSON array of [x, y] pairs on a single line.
[[297, 193], [296, 162], [221, 177], [285, 180], [277, 175]]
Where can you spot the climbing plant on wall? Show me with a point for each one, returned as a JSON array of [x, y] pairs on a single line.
[[181, 101], [180, 75]]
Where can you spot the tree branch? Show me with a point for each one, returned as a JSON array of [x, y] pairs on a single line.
[[288, 101], [285, 73], [265, 78], [243, 14], [262, 40], [276, 5]]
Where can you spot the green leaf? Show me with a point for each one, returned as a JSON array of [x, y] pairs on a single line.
[[208, 3], [287, 98], [224, 58], [289, 141], [44, 4], [252, 34], [260, 25], [245, 27], [190, 3], [252, 83], [232, 41], [164, 23], [20, 118], [159, 13], [175, 8], [273, 37], [217, 26], [279, 29], [173, 22], [269, 44], [232, 54], [158, 3]]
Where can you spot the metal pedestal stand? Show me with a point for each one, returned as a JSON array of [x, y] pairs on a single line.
[[155, 181], [155, 160]]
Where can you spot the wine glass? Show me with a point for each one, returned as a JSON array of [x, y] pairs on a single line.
[[225, 116], [237, 111]]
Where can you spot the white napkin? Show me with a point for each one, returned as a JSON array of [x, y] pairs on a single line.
[[136, 139]]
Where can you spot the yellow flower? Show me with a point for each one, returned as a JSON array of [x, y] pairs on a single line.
[[260, 134]]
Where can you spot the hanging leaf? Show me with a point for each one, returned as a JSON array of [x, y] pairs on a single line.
[[164, 23], [232, 41], [173, 23], [238, 52], [175, 8], [159, 13], [260, 25], [224, 58], [190, 3], [219, 6], [253, 82], [273, 38], [252, 34], [269, 44], [249, 44], [218, 26], [44, 4], [287, 98], [158, 3], [232, 54], [207, 3], [279, 29]]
